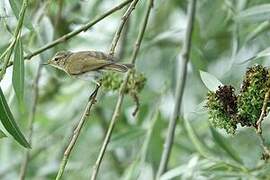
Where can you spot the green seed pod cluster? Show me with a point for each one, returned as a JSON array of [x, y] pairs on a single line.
[[222, 108], [251, 97], [226, 109], [111, 81], [136, 82]]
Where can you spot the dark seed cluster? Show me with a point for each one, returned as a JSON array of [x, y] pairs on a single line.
[[226, 109], [222, 108]]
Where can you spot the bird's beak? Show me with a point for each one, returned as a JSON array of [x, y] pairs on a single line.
[[47, 63]]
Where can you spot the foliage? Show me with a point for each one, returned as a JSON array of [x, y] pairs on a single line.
[[229, 37]]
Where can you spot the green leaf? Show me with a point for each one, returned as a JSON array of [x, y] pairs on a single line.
[[18, 72], [222, 142], [2, 134], [9, 123], [15, 6], [210, 81], [261, 28], [261, 54], [255, 14], [198, 143]]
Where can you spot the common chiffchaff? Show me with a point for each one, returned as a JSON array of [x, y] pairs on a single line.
[[87, 65]]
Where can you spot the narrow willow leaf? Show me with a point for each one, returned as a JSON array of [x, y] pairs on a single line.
[[198, 143], [15, 6], [222, 142], [210, 81], [263, 27], [261, 54], [18, 72], [2, 134], [255, 14], [9, 123]]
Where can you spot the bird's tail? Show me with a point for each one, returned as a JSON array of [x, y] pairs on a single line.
[[119, 67]]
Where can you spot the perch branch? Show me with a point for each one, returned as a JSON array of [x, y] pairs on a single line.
[[76, 132], [31, 122], [179, 90], [121, 94]]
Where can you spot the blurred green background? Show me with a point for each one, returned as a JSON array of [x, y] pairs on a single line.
[[226, 33]]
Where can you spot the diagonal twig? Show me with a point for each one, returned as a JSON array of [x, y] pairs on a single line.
[[76, 132], [121, 26], [121, 94], [179, 90]]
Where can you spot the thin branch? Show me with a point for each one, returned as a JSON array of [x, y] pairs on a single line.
[[263, 112], [9, 50], [179, 90], [264, 145], [31, 121], [123, 41], [121, 94], [76, 132], [68, 36], [115, 161], [121, 26]]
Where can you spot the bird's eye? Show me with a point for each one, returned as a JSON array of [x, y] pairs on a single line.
[[56, 59]]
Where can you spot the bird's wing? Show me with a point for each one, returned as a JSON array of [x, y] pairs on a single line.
[[86, 61]]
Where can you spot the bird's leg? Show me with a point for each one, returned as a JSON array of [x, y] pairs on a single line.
[[94, 93]]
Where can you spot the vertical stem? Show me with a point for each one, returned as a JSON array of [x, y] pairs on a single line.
[[121, 94], [179, 90], [31, 122]]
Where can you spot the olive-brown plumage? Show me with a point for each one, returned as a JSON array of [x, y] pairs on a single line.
[[86, 64]]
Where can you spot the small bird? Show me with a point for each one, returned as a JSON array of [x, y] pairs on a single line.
[[86, 65]]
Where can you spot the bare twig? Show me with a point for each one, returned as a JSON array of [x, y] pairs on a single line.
[[76, 132], [121, 26], [179, 90], [123, 42], [8, 52], [31, 122], [68, 36], [264, 145], [121, 95], [263, 112]]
